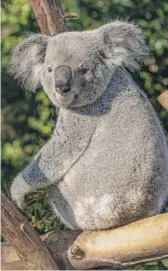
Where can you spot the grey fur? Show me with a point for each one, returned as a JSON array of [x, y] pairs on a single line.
[[107, 161], [27, 60]]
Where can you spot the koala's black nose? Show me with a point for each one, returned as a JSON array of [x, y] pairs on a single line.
[[63, 77]]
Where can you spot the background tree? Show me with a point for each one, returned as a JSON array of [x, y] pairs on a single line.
[[26, 117]]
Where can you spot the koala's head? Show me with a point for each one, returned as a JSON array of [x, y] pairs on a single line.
[[75, 68]]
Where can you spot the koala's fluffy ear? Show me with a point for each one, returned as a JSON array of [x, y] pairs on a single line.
[[27, 59], [123, 44]]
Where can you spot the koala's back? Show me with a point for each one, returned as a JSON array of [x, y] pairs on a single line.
[[123, 174]]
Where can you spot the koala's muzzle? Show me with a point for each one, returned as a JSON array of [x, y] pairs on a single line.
[[63, 78]]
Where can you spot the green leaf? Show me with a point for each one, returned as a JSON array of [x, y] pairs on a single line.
[[165, 262]]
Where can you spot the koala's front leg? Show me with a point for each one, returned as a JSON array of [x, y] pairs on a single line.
[[31, 178], [51, 163], [18, 190], [48, 167]]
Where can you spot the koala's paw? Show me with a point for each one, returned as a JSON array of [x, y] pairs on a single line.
[[18, 191], [18, 199], [17, 196]]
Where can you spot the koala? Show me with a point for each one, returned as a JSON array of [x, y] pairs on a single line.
[[106, 163]]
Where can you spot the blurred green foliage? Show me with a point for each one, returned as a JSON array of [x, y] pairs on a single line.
[[27, 117]]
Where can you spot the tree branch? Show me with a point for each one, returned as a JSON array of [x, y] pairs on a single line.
[[49, 15], [20, 234], [139, 242]]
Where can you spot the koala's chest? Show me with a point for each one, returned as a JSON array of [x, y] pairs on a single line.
[[114, 151], [117, 145]]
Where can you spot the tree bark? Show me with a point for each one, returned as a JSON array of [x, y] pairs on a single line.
[[20, 234], [142, 241], [49, 15], [57, 242], [139, 242]]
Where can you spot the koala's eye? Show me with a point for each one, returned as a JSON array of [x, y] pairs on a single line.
[[84, 70], [49, 69]]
